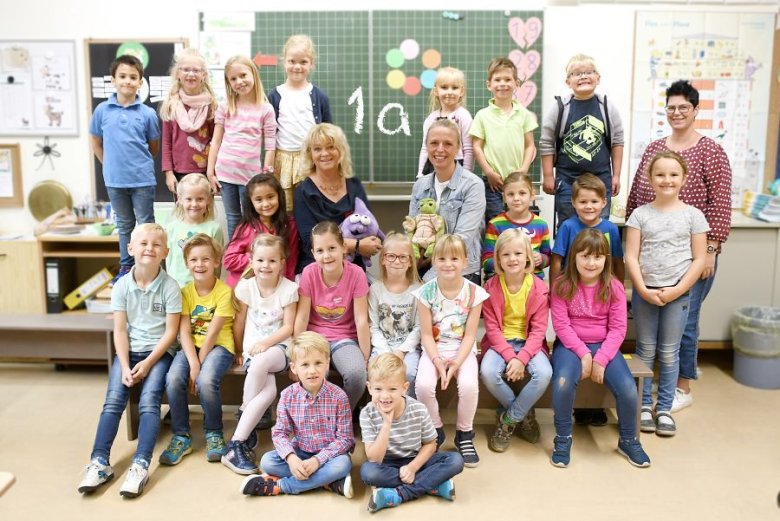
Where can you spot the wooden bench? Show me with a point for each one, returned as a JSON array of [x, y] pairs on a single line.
[[59, 338], [589, 394]]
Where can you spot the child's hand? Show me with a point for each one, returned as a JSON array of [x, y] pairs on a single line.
[[170, 181], [310, 466], [615, 185], [667, 295], [548, 185], [369, 246], [597, 373], [140, 371], [451, 370], [239, 359], [515, 370], [495, 182], [406, 474], [215, 186], [194, 372], [537, 259], [127, 377], [587, 366], [387, 416], [259, 347], [296, 467], [653, 296]]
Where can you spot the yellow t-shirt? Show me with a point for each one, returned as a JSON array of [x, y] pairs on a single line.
[[514, 308], [202, 310]]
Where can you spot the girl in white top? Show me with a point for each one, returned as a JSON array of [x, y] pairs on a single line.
[[449, 316], [448, 100], [263, 325], [666, 243], [392, 308]]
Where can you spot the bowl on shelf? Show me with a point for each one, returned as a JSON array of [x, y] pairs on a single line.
[[104, 228]]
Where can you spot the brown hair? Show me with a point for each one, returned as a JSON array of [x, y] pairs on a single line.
[[588, 182], [668, 155], [519, 177], [201, 239], [325, 228], [589, 241], [496, 64]]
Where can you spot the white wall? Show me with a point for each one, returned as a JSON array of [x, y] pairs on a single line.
[[603, 31]]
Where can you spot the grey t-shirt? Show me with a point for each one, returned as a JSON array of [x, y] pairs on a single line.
[[407, 433], [665, 244]]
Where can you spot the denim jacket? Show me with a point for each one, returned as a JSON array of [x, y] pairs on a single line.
[[462, 206]]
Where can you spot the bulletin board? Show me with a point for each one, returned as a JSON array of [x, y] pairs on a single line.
[[38, 88], [728, 58], [157, 57], [378, 67]]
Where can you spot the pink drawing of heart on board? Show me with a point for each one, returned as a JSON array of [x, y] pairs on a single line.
[[517, 31], [526, 93], [526, 63], [533, 29]]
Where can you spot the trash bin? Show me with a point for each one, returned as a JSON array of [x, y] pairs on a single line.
[[755, 331]]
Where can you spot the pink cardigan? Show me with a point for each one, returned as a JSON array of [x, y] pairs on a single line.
[[536, 311], [237, 253]]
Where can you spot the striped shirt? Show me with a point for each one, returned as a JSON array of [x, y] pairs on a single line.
[[247, 132], [407, 433], [320, 424], [536, 229]]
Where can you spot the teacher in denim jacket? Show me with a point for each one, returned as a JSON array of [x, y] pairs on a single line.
[[459, 195]]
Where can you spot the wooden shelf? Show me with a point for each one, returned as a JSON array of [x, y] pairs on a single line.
[[82, 254]]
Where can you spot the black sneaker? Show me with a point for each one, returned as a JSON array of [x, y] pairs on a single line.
[[342, 487], [632, 450], [236, 459], [440, 437], [598, 417], [528, 429], [251, 440], [464, 442], [582, 416], [502, 436]]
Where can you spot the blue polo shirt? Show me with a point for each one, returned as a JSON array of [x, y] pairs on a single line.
[[126, 132], [146, 309]]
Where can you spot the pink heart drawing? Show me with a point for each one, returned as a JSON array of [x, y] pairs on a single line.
[[533, 29], [526, 93], [517, 31], [526, 63]]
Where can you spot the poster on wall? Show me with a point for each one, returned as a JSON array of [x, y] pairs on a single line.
[[728, 58], [38, 88]]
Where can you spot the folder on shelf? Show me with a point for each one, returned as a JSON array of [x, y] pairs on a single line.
[[88, 288]]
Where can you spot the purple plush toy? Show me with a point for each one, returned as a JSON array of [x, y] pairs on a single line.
[[359, 225]]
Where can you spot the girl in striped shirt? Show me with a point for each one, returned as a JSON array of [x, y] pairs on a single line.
[[244, 126]]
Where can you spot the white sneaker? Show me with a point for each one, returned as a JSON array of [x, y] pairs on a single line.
[[136, 478], [681, 400], [95, 475]]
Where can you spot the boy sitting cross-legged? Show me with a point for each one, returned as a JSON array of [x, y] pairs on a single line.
[[317, 415], [400, 441]]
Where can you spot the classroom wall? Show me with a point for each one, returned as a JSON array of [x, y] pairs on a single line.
[[603, 31]]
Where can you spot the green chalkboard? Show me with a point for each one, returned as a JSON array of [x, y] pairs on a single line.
[[363, 56]]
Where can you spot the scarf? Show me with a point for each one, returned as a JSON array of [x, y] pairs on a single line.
[[192, 119]]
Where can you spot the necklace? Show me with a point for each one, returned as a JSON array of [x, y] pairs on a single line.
[[332, 189]]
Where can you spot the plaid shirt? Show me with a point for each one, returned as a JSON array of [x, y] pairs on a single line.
[[320, 424]]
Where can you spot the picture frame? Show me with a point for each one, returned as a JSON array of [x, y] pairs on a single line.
[[10, 176]]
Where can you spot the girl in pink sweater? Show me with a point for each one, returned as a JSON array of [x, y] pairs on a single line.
[[589, 317], [514, 343]]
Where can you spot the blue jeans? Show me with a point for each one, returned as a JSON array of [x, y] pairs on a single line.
[[567, 370], [441, 467], [232, 199], [494, 201], [689, 345], [130, 205], [333, 470], [117, 396], [492, 371], [213, 368], [659, 331], [563, 191]]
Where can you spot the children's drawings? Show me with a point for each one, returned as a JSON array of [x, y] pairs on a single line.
[[525, 33]]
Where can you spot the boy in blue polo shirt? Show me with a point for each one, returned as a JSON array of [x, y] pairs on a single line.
[[147, 309], [125, 138]]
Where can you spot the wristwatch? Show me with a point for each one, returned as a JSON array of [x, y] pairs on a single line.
[[711, 249]]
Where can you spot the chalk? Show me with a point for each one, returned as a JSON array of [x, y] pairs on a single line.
[[451, 15]]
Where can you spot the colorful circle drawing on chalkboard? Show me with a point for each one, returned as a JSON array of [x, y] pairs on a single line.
[[410, 48], [428, 78], [412, 86], [394, 58], [396, 79], [134, 49], [431, 58]]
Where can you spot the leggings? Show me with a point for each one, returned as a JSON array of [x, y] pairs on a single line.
[[259, 389], [467, 380]]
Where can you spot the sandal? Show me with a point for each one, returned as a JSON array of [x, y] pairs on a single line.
[[664, 424]]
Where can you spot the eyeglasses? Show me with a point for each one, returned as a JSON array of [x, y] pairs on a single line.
[[191, 70], [682, 109], [580, 74], [392, 257]]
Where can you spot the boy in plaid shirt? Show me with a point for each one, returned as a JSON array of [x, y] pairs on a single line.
[[317, 415]]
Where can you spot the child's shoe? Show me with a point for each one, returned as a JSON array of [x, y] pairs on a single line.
[[633, 451], [135, 480], [267, 421], [383, 498], [262, 485], [440, 437], [445, 491], [529, 427], [177, 448], [582, 416], [236, 459], [251, 440], [664, 424], [464, 442], [502, 436], [598, 417], [95, 475], [342, 487], [646, 420], [561, 455], [215, 446], [123, 270], [681, 400]]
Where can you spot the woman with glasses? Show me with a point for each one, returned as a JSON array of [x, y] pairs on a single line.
[[708, 188]]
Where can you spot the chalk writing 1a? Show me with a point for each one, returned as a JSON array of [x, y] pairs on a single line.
[[356, 98]]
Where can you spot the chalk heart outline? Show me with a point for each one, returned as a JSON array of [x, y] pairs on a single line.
[[526, 93], [527, 63], [533, 29], [516, 28]]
